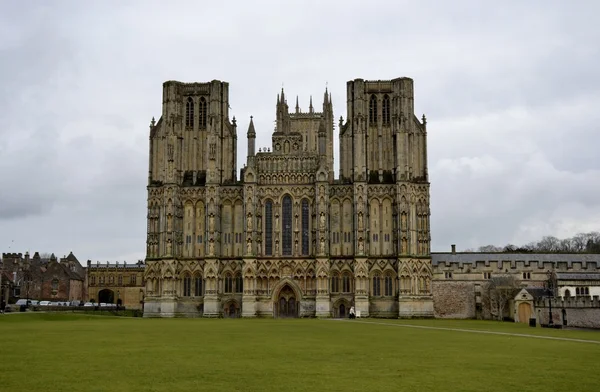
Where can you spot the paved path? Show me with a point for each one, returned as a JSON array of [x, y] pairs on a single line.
[[469, 330]]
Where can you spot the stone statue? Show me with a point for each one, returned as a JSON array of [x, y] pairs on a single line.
[[211, 248], [361, 246], [249, 222], [360, 221], [249, 246], [322, 245], [322, 221], [211, 222]]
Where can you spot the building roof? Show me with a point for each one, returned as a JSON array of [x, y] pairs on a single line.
[[539, 292], [577, 276], [472, 258]]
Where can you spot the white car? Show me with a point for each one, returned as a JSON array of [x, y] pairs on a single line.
[[44, 303]]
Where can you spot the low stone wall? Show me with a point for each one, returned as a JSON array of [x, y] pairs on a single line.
[[453, 299], [580, 312]]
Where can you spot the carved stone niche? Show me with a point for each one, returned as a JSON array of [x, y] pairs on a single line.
[[286, 144]]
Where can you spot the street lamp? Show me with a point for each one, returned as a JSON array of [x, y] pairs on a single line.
[[550, 322], [551, 289]]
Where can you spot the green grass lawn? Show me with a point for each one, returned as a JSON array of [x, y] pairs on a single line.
[[41, 352]]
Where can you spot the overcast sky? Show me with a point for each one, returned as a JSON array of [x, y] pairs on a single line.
[[511, 93]]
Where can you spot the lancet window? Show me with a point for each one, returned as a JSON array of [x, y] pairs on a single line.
[[269, 228], [373, 110], [189, 113], [305, 216], [287, 225], [202, 113], [386, 110]]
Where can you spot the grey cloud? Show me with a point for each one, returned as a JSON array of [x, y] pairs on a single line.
[[510, 91]]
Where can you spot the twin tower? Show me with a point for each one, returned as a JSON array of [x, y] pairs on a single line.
[[288, 239]]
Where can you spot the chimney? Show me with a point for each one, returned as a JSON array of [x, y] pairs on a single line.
[[453, 248]]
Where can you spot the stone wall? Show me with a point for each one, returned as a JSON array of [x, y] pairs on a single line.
[[453, 299], [582, 312]]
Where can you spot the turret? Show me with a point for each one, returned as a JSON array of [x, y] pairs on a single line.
[[251, 138], [283, 117]]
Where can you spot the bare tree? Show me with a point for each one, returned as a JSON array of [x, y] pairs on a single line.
[[549, 244], [580, 243], [490, 249], [498, 292]]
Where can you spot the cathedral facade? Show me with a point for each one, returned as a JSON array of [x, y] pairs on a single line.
[[288, 238]]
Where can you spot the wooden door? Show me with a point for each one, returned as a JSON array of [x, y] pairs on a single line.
[[524, 312]]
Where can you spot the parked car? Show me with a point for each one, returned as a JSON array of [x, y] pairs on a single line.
[[44, 303], [27, 302]]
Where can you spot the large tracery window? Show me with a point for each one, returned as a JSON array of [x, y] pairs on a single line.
[[228, 283], [376, 285], [198, 286], [388, 286], [287, 225], [239, 284], [335, 283], [202, 113], [346, 283], [386, 110], [373, 110], [187, 284], [305, 215], [269, 228], [189, 113]]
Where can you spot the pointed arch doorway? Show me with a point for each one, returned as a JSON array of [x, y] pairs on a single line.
[[286, 305]]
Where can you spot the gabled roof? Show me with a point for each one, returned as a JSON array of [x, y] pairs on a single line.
[[71, 257], [538, 292], [577, 276]]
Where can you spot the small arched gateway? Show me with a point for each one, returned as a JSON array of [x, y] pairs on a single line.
[[341, 308], [106, 296], [231, 309], [286, 301]]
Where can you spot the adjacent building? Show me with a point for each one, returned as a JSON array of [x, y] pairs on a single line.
[[116, 283]]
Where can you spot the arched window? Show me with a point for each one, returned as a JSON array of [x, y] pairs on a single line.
[[239, 284], [202, 113], [335, 287], [228, 283], [198, 286], [373, 110], [346, 283], [386, 110], [187, 286], [287, 225], [388, 286], [305, 215], [189, 113], [54, 284], [376, 285], [269, 228], [567, 293]]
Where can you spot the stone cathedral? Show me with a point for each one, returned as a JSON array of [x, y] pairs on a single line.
[[287, 238]]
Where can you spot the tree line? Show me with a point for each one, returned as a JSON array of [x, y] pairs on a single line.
[[579, 243]]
